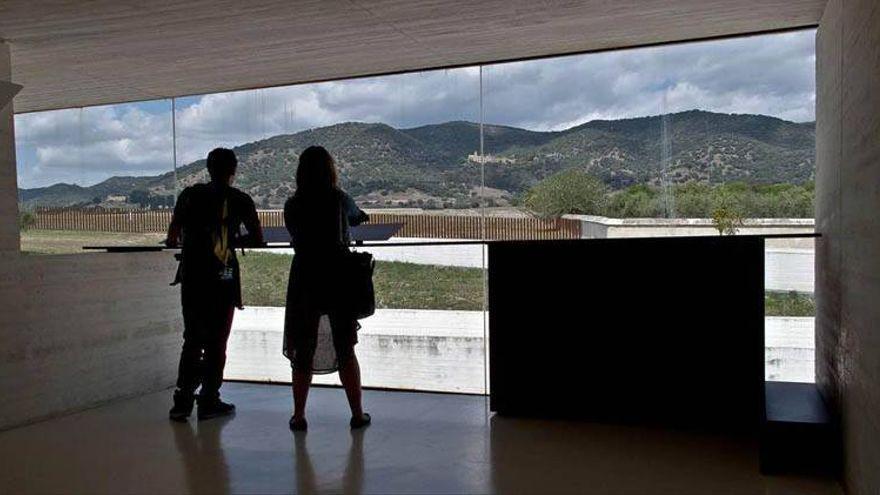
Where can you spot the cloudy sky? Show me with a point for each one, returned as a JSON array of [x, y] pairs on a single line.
[[771, 75]]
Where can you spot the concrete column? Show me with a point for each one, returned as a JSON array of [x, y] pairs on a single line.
[[9, 235], [848, 217], [828, 253]]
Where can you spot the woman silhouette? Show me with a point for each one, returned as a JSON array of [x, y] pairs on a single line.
[[319, 333]]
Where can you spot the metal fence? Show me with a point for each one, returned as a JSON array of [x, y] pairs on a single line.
[[423, 226]]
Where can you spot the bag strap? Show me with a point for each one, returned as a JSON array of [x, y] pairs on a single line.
[[340, 219]]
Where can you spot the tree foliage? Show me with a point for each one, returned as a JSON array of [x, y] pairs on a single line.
[[145, 199], [729, 202], [572, 191], [727, 220], [26, 220]]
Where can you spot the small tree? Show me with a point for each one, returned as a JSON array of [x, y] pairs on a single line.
[[570, 192], [26, 220], [636, 201], [727, 214]]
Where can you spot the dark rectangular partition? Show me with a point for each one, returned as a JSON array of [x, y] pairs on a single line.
[[658, 330]]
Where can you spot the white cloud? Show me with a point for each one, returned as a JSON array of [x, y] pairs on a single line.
[[85, 146], [405, 100], [772, 75]]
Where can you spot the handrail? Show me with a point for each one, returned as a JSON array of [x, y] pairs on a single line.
[[134, 249], [787, 236], [138, 249]]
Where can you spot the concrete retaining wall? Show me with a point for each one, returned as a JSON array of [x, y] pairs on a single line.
[[596, 227], [398, 348], [445, 350]]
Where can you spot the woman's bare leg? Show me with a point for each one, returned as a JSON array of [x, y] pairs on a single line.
[[350, 376], [302, 380]]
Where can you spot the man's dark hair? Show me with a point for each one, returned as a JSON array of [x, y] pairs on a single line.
[[221, 164]]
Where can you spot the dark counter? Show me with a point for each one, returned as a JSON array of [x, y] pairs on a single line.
[[652, 330]]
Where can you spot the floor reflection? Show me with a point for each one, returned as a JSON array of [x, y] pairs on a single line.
[[202, 455], [546, 456], [352, 479], [419, 443]]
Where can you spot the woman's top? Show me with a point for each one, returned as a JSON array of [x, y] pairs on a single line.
[[319, 231], [353, 215], [319, 223]]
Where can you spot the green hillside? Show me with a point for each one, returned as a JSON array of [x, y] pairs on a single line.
[[428, 166]]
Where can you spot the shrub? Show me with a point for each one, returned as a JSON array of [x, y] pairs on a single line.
[[729, 202], [573, 191], [26, 220], [727, 213]]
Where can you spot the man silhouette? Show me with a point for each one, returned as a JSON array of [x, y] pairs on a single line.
[[207, 224]]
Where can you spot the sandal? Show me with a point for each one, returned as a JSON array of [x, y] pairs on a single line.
[[364, 420], [301, 425]]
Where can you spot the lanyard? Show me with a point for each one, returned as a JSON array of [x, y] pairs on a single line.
[[221, 244]]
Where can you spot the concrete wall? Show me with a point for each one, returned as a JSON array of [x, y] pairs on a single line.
[[828, 252], [77, 330], [434, 350], [444, 351], [789, 269], [9, 239], [596, 227], [848, 216], [789, 349]]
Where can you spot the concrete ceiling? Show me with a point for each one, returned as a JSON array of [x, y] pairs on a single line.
[[70, 53]]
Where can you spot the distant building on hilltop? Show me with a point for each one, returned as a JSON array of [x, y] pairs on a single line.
[[475, 158]]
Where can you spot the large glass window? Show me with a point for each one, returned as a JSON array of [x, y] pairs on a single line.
[[405, 148], [94, 176], [700, 138]]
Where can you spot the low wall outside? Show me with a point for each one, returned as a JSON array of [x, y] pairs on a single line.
[[445, 350], [597, 227], [398, 348]]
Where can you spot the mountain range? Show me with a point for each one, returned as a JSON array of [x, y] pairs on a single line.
[[438, 165]]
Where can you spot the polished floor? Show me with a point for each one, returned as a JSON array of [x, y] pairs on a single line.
[[419, 443]]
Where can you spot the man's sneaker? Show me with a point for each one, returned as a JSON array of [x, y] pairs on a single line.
[[183, 406], [213, 408]]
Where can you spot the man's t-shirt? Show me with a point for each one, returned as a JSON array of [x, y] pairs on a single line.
[[210, 218]]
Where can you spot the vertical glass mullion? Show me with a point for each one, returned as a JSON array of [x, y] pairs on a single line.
[[174, 146], [484, 247]]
